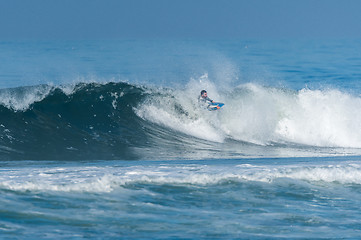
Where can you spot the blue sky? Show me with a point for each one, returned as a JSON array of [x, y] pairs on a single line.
[[179, 19]]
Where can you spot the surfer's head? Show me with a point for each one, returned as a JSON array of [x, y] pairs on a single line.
[[204, 93]]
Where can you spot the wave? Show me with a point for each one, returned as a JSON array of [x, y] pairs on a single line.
[[127, 121], [80, 121], [108, 179]]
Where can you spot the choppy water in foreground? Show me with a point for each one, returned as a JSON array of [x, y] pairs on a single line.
[[259, 198]]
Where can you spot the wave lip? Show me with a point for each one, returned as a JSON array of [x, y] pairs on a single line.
[[20, 99]]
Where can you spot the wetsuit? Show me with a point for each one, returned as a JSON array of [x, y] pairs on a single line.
[[204, 100]]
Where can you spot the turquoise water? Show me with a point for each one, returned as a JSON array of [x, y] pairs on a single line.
[[105, 139]]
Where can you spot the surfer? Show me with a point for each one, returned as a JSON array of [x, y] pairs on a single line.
[[203, 98], [207, 102]]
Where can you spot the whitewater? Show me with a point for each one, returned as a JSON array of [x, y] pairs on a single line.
[[106, 139]]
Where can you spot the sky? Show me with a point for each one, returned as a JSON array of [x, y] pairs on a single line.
[[179, 19]]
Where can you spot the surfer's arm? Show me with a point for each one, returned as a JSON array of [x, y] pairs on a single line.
[[210, 100]]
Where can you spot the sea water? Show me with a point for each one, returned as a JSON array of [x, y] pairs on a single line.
[[106, 139]]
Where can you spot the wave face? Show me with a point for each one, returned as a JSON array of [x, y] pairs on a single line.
[[84, 121], [125, 121]]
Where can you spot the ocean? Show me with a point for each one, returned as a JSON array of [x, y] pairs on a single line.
[[105, 139]]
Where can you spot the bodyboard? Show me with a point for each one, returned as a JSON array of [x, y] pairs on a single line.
[[215, 106]]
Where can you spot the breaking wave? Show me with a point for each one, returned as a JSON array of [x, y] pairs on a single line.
[[126, 121]]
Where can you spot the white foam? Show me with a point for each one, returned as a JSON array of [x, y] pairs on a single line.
[[195, 127], [68, 89], [326, 118], [108, 179], [179, 110], [323, 118], [20, 99], [252, 113]]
